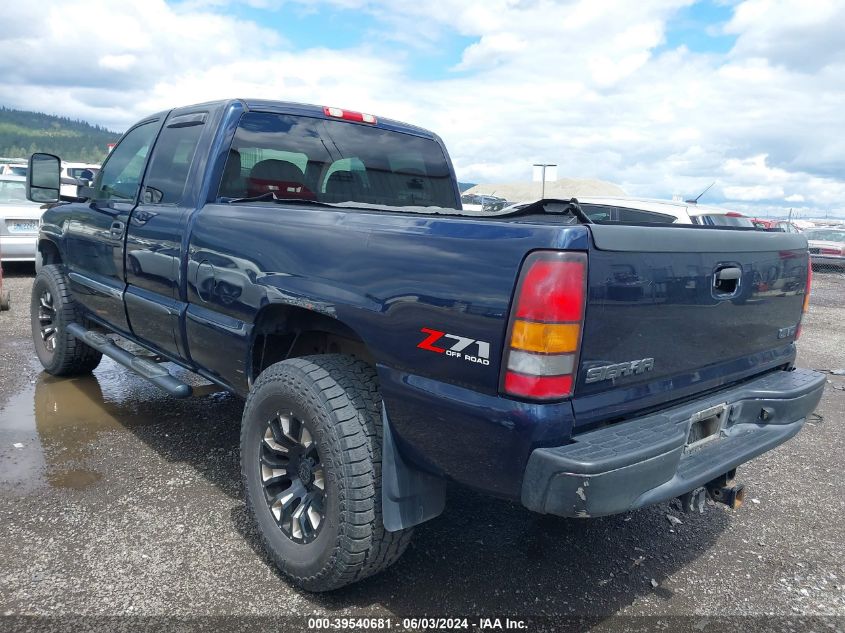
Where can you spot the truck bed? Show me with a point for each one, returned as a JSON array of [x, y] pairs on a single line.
[[394, 275]]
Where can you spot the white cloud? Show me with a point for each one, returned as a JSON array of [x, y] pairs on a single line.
[[576, 82], [798, 35], [117, 62]]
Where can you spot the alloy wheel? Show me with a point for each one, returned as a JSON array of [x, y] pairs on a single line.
[[47, 321], [293, 477]]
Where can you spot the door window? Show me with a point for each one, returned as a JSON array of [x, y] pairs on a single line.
[[171, 159], [121, 174]]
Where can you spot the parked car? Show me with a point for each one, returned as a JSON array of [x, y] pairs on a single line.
[[763, 223], [18, 220], [76, 175], [479, 202], [13, 169], [317, 262], [775, 225], [82, 171], [788, 227], [648, 210], [827, 247]]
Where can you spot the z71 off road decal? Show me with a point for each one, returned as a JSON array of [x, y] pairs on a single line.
[[467, 349]]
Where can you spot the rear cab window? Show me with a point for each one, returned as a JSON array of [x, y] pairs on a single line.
[[298, 157]]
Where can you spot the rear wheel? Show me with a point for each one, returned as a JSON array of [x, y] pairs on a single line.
[[311, 459], [52, 308]]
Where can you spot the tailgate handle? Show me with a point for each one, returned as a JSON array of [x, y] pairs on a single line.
[[726, 280]]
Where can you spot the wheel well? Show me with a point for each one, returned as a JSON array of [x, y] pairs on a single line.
[[283, 332], [49, 253]]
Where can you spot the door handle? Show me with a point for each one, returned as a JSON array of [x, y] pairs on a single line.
[[726, 281], [730, 273], [117, 229]]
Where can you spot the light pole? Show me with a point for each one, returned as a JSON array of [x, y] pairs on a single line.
[[543, 176]]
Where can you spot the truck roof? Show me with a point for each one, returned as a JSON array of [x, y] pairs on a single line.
[[304, 109]]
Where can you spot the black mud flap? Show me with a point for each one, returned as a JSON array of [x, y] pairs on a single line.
[[409, 496]]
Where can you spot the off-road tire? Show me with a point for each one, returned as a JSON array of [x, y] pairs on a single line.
[[70, 357], [338, 399]]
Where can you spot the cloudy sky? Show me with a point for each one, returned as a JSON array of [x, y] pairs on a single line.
[[659, 96]]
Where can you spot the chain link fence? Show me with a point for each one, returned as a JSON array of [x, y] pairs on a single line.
[[827, 249], [829, 269]]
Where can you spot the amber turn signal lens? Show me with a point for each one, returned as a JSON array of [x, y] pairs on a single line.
[[547, 338]]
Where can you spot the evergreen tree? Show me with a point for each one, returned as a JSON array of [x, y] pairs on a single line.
[[22, 133]]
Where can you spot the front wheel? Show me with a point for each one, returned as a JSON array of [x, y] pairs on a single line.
[[311, 458], [51, 310]]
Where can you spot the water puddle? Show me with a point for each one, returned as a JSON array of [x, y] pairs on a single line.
[[49, 428]]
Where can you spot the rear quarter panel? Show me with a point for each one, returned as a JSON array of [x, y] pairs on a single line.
[[386, 276]]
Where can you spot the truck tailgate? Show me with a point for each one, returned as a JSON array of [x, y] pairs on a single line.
[[673, 311]]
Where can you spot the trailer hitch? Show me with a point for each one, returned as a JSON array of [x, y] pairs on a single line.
[[725, 489]]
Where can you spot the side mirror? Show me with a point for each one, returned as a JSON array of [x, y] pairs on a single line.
[[43, 182]]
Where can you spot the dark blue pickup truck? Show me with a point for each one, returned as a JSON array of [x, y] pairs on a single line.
[[317, 262]]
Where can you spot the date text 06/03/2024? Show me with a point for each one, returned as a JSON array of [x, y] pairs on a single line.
[[418, 624]]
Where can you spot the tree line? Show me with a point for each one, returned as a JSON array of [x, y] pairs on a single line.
[[23, 133]]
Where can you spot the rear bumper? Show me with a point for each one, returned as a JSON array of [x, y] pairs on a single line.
[[645, 460], [18, 248]]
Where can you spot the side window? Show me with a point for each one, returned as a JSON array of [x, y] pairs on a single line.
[[171, 159], [250, 158], [597, 212], [345, 165], [275, 166], [120, 176], [407, 164], [637, 216]]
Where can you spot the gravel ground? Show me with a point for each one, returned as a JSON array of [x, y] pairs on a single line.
[[121, 501]]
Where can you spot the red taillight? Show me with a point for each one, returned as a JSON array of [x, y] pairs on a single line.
[[552, 291], [808, 288], [806, 306], [537, 387], [349, 115], [544, 337], [831, 251]]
